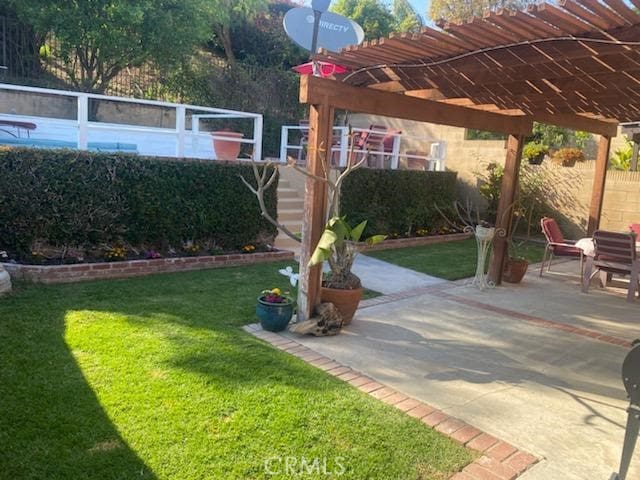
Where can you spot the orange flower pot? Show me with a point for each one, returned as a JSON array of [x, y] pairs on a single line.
[[226, 149]]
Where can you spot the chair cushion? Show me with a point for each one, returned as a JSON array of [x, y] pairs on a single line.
[[552, 230]]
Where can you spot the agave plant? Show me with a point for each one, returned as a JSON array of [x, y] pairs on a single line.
[[338, 246]]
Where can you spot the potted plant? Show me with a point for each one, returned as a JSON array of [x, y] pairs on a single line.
[[274, 309], [338, 246], [535, 152], [225, 145], [567, 157], [515, 267]]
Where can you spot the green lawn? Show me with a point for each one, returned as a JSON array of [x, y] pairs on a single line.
[[153, 378], [450, 260]]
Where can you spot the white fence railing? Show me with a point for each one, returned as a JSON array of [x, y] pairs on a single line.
[[56, 129], [342, 147]]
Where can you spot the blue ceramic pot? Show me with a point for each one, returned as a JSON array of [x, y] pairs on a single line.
[[274, 317]]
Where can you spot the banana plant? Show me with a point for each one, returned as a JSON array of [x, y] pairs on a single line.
[[338, 246]]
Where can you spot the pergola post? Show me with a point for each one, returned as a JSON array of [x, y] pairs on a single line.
[[599, 180], [315, 205], [505, 206]]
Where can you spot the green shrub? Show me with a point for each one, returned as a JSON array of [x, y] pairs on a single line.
[[72, 198], [397, 201]]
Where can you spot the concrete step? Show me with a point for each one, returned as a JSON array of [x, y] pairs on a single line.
[[283, 183], [285, 243], [287, 192], [291, 203], [294, 225], [290, 214]]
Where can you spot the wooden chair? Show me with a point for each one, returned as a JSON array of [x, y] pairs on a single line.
[[557, 245], [615, 254], [371, 144]]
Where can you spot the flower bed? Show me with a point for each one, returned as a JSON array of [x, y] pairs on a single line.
[[133, 268], [391, 243]]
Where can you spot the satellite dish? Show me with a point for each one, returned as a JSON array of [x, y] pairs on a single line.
[[335, 31]]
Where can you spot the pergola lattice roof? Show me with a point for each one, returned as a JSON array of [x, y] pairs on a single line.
[[570, 58]]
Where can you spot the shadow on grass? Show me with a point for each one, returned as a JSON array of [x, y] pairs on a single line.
[[51, 422]]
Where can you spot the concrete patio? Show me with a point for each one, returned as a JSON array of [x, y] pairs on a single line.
[[535, 364]]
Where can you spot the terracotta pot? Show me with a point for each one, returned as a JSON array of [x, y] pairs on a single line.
[[514, 270], [346, 301], [226, 149]]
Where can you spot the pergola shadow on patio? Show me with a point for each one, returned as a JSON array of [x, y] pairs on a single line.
[[536, 365], [574, 64]]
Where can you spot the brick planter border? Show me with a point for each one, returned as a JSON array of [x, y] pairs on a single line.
[[415, 241], [499, 460], [80, 272]]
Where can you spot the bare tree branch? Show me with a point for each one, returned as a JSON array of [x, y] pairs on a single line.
[[262, 185]]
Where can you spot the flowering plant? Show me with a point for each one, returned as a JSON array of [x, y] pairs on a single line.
[[115, 253], [275, 295], [151, 254], [248, 249]]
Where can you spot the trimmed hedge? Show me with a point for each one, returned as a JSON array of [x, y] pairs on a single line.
[[67, 197], [397, 202]]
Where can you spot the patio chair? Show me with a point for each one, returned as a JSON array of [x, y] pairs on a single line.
[[615, 254], [371, 144], [635, 228], [557, 245]]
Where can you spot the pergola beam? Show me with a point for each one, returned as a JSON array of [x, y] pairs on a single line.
[[315, 90], [579, 122]]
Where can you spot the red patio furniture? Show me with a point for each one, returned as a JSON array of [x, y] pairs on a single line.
[[557, 245], [371, 144], [615, 254], [635, 228]]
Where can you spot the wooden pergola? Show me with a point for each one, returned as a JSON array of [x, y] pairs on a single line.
[[571, 64]]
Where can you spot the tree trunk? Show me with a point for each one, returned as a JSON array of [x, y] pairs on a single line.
[[225, 36]]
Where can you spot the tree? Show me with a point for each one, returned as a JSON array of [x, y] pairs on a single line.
[[462, 10], [227, 14], [97, 39], [373, 16], [406, 17], [263, 42]]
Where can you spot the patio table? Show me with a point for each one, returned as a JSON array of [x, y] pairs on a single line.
[[589, 249], [18, 126]]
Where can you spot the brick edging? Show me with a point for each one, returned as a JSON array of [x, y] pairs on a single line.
[[413, 241], [499, 460], [80, 272]]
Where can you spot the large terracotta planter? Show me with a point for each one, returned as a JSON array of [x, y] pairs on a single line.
[[226, 149], [346, 301], [514, 270]]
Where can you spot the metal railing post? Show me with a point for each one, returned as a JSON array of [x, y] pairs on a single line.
[[257, 138], [284, 143], [181, 121], [395, 153], [83, 121]]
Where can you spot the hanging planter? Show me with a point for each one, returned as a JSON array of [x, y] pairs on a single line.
[[226, 148]]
